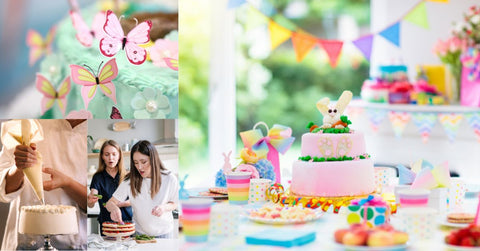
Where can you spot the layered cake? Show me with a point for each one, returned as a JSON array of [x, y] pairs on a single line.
[[334, 161], [138, 87], [390, 86], [114, 229], [48, 220]]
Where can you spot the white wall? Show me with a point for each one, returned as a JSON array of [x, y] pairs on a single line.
[[416, 43]]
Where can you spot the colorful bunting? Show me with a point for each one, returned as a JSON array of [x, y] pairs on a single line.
[[376, 117], [418, 16], [424, 123], [302, 44], [399, 121], [333, 49], [364, 44], [354, 112], [278, 34], [451, 123], [232, 4], [474, 122], [392, 34]]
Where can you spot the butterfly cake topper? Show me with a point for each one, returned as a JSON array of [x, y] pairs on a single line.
[[38, 45], [115, 39], [50, 94], [91, 81], [85, 34]]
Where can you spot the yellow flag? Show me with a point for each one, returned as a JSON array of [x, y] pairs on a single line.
[[278, 34]]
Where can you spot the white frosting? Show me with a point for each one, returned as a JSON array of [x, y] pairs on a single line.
[[48, 219], [52, 209]]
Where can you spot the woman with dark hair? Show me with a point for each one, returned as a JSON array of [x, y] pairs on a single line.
[[105, 181], [153, 192]]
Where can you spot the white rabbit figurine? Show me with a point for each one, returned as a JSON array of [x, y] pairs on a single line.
[[227, 167], [331, 114]]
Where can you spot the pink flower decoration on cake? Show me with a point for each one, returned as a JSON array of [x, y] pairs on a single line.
[[162, 49], [249, 156], [81, 114], [248, 168]]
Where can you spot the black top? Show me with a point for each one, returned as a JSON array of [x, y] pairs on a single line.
[[106, 186]]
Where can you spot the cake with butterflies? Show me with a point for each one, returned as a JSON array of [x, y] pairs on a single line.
[[334, 167], [109, 60]]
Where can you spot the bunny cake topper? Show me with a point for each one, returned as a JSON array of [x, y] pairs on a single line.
[[333, 119]]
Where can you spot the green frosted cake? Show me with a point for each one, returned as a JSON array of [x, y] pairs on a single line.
[[142, 91]]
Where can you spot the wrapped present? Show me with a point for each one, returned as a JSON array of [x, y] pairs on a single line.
[[373, 211], [278, 140], [470, 88]]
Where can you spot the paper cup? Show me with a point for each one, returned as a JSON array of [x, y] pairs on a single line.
[[225, 220], [258, 190], [418, 223], [384, 177], [196, 219], [413, 197], [397, 189], [456, 194], [438, 199], [238, 184]]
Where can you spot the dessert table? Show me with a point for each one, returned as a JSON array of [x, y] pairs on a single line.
[[324, 228]]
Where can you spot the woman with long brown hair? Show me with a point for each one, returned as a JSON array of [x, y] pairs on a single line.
[[105, 181], [153, 192]]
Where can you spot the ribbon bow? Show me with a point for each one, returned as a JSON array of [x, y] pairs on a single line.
[[425, 175], [370, 201], [471, 62], [279, 136]]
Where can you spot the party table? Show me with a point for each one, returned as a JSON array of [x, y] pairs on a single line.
[[95, 242], [324, 228]]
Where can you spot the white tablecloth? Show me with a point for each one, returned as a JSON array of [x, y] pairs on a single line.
[[95, 242]]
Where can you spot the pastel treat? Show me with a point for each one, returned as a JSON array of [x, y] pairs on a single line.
[[196, 219], [114, 229], [374, 91], [334, 160], [413, 197], [48, 220], [460, 218], [238, 184]]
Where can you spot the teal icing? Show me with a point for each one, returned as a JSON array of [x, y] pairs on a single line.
[[130, 80]]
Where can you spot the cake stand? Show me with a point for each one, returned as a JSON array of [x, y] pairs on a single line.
[[46, 244]]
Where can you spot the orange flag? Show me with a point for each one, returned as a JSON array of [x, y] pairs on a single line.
[[302, 44], [333, 49], [278, 34]]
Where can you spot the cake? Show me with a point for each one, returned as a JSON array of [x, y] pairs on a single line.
[[140, 90], [390, 86], [114, 229], [48, 220], [334, 161]]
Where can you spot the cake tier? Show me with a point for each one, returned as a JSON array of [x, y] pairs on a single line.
[[131, 79], [333, 145], [333, 178], [48, 219]]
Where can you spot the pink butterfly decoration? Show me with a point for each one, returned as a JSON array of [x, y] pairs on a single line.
[[85, 34], [162, 49], [115, 113], [50, 94], [91, 82], [172, 63], [38, 45], [115, 39]]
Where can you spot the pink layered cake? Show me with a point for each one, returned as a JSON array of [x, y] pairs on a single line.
[[334, 161]]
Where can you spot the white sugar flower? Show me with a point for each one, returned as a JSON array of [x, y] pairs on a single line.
[[150, 104]]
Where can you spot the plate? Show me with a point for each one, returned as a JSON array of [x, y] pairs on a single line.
[[367, 248], [204, 193], [460, 248], [444, 222], [278, 221], [99, 143]]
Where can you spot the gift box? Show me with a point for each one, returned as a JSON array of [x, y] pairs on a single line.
[[470, 87], [373, 211]]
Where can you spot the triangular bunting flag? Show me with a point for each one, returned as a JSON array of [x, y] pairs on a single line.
[[255, 18], [392, 33], [424, 123], [474, 122], [451, 123], [418, 16], [302, 43], [267, 8], [278, 34], [333, 49], [364, 44], [399, 121], [376, 116], [232, 4], [284, 22]]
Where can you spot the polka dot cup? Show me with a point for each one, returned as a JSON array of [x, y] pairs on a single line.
[[418, 223], [384, 177], [258, 190], [225, 220], [456, 195]]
